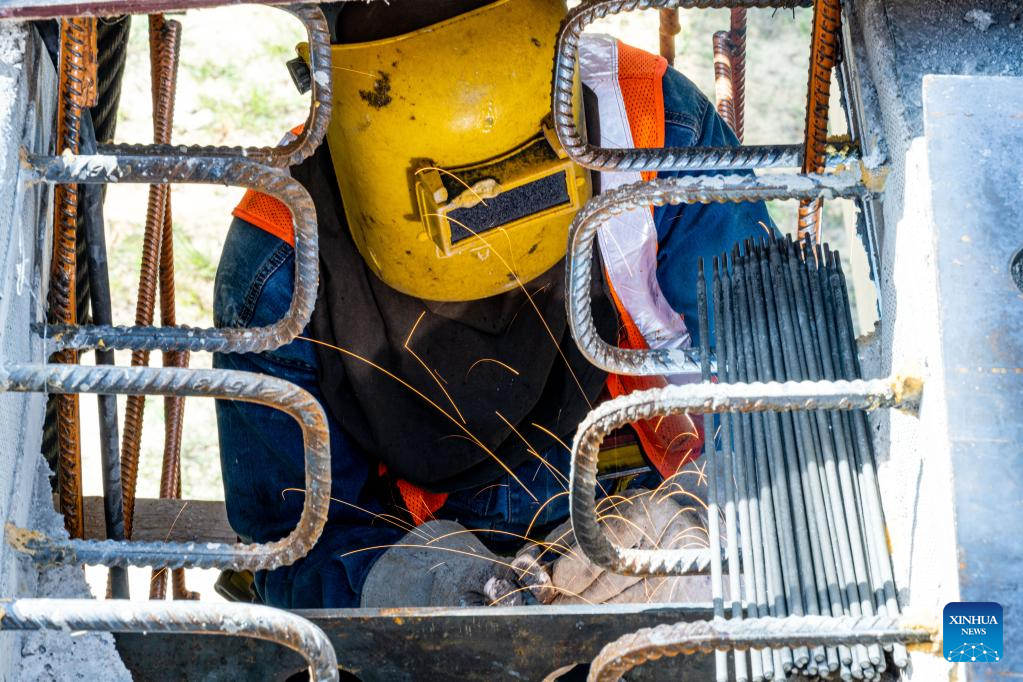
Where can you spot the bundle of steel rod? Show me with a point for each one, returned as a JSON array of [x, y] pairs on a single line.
[[802, 508]]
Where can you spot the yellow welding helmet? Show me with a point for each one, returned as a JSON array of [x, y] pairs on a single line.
[[454, 184]]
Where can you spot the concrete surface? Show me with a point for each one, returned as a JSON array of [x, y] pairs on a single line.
[[27, 85]]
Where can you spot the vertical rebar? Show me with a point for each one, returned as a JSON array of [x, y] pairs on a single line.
[[724, 86], [669, 28], [737, 42], [76, 91], [827, 21]]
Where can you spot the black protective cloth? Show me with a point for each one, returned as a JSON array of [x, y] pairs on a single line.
[[426, 386]]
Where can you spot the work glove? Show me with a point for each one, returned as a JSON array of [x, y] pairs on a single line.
[[641, 519], [441, 563]]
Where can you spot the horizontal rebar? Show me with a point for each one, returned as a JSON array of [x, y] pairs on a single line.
[[658, 192], [224, 384], [294, 151], [667, 159], [903, 393], [101, 169], [239, 620], [636, 648]]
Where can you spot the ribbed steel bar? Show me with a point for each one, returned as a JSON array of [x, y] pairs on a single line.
[[164, 45], [223, 384], [700, 398], [230, 171], [711, 466], [737, 43], [76, 91], [634, 649], [233, 620], [724, 96], [315, 126], [669, 27], [827, 24], [699, 158], [658, 192]]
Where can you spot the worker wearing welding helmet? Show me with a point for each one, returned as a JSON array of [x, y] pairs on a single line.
[[439, 345]]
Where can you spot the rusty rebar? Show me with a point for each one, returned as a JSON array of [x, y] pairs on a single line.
[[724, 97], [827, 22], [737, 42], [222, 384], [164, 40], [76, 91], [669, 28]]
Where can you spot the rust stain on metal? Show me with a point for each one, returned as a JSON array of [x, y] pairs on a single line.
[[22, 539], [827, 21], [76, 91]]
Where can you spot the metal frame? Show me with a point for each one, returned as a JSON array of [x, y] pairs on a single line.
[[223, 384]]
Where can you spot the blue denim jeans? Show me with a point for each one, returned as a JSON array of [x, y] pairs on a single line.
[[261, 449]]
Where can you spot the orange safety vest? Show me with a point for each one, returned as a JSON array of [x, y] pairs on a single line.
[[669, 442]]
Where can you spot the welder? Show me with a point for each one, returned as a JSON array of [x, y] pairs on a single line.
[[439, 346]]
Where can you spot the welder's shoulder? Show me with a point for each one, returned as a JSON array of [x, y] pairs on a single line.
[[685, 107], [266, 212]]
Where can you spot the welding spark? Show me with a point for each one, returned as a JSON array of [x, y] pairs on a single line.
[[430, 402]]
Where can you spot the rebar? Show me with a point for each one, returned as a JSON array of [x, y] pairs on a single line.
[[636, 648], [827, 23], [737, 43], [223, 384], [658, 192], [239, 620], [313, 131], [724, 96], [76, 92], [100, 169], [900, 392], [669, 27], [667, 159]]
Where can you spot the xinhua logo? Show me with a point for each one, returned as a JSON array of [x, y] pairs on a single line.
[[972, 632]]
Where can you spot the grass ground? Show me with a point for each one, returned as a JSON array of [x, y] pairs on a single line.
[[234, 89]]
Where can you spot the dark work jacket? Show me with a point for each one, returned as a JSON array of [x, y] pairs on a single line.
[[427, 398]]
